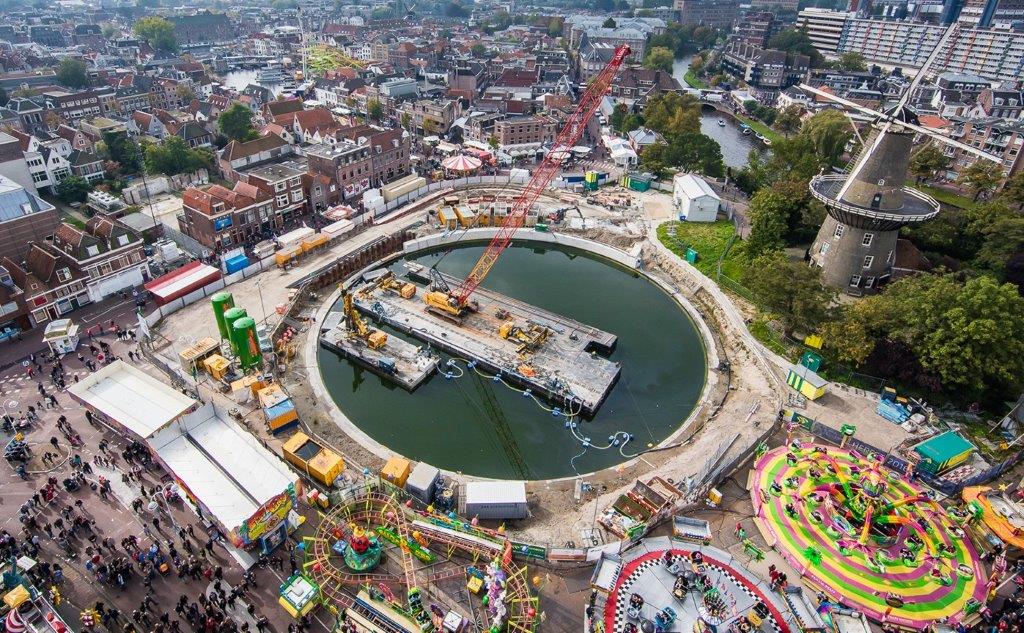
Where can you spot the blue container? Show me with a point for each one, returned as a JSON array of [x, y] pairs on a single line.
[[236, 263]]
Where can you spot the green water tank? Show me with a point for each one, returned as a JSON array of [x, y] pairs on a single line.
[[230, 316], [222, 302], [247, 346]]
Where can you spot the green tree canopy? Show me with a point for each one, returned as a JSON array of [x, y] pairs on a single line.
[[852, 61], [788, 120], [927, 162], [609, 23], [659, 58], [790, 290], [672, 113], [796, 41], [173, 156], [1012, 193], [478, 49], [1003, 239], [123, 150], [71, 72], [374, 109], [236, 123], [158, 32], [828, 131], [969, 334], [981, 177], [73, 189]]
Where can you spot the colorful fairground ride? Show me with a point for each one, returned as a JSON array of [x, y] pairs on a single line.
[[366, 586]]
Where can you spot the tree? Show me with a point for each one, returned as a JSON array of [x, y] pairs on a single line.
[[1003, 240], [619, 113], [654, 159], [696, 152], [184, 92], [555, 27], [791, 290], [828, 132], [3, 97], [236, 123], [173, 157], [73, 189], [478, 50], [406, 119], [1012, 193], [981, 177], [609, 23], [108, 31], [659, 58], [119, 148], [852, 62], [374, 109], [796, 41], [455, 10], [927, 162], [769, 223], [158, 32], [788, 121], [71, 72], [672, 113]]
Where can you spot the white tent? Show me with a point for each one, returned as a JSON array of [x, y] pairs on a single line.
[[131, 398]]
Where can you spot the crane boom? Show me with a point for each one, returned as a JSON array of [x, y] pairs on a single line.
[[543, 175]]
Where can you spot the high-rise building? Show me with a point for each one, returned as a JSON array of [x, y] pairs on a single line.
[[823, 27], [988, 13], [718, 13]]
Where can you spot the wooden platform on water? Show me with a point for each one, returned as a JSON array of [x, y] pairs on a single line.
[[412, 364], [567, 368]]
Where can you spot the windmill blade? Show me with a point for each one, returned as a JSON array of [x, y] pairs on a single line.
[[954, 143], [953, 28], [844, 102]]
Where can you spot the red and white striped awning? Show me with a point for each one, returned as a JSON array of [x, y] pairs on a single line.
[[462, 163], [14, 623]]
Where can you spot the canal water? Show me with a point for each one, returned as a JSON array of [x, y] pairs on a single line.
[[481, 427], [735, 146]]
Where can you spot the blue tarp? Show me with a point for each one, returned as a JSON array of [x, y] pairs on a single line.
[[279, 409]]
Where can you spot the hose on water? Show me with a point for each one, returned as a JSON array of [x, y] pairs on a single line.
[[617, 440]]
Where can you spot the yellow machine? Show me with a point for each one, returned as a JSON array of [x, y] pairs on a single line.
[[375, 339], [391, 283], [529, 338], [442, 302]]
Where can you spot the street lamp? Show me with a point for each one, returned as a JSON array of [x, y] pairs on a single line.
[[259, 288]]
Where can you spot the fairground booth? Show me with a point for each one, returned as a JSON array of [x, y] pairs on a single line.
[[232, 481]]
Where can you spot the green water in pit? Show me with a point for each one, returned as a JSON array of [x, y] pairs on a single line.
[[476, 426]]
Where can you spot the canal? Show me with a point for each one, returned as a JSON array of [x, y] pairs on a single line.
[[735, 146]]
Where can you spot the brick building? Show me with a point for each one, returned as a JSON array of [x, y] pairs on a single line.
[[221, 218]]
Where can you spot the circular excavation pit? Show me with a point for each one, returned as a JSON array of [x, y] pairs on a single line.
[[463, 419]]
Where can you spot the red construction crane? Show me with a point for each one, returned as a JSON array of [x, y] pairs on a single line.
[[454, 302]]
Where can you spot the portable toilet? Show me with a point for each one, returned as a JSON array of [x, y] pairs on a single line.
[[692, 255], [590, 181], [809, 384], [811, 361], [396, 470]]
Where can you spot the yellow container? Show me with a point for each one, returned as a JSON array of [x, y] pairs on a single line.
[[217, 366], [314, 459], [396, 471]]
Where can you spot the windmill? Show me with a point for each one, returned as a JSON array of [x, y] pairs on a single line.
[[856, 245]]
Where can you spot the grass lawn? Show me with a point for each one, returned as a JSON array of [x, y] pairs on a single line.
[[946, 197], [761, 128], [693, 81], [709, 239], [73, 221], [759, 328]]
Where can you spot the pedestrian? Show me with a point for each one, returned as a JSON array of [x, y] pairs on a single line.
[[53, 400], [53, 440]]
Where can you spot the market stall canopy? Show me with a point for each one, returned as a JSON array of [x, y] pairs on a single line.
[[132, 398], [462, 163]]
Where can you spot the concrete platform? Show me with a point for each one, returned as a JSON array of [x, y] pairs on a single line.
[[566, 369], [412, 364]]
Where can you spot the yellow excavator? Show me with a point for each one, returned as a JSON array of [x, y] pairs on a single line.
[[403, 289], [375, 339], [529, 338]]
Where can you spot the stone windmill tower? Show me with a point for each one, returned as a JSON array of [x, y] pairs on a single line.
[[856, 245]]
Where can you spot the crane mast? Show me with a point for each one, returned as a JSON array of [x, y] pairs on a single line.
[[456, 301]]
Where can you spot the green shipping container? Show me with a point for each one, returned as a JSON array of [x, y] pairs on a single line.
[[247, 346], [222, 302], [230, 316]]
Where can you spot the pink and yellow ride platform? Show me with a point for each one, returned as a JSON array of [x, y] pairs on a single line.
[[866, 536]]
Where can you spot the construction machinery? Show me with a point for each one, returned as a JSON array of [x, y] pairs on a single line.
[[390, 283], [530, 337], [374, 339], [454, 304]]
